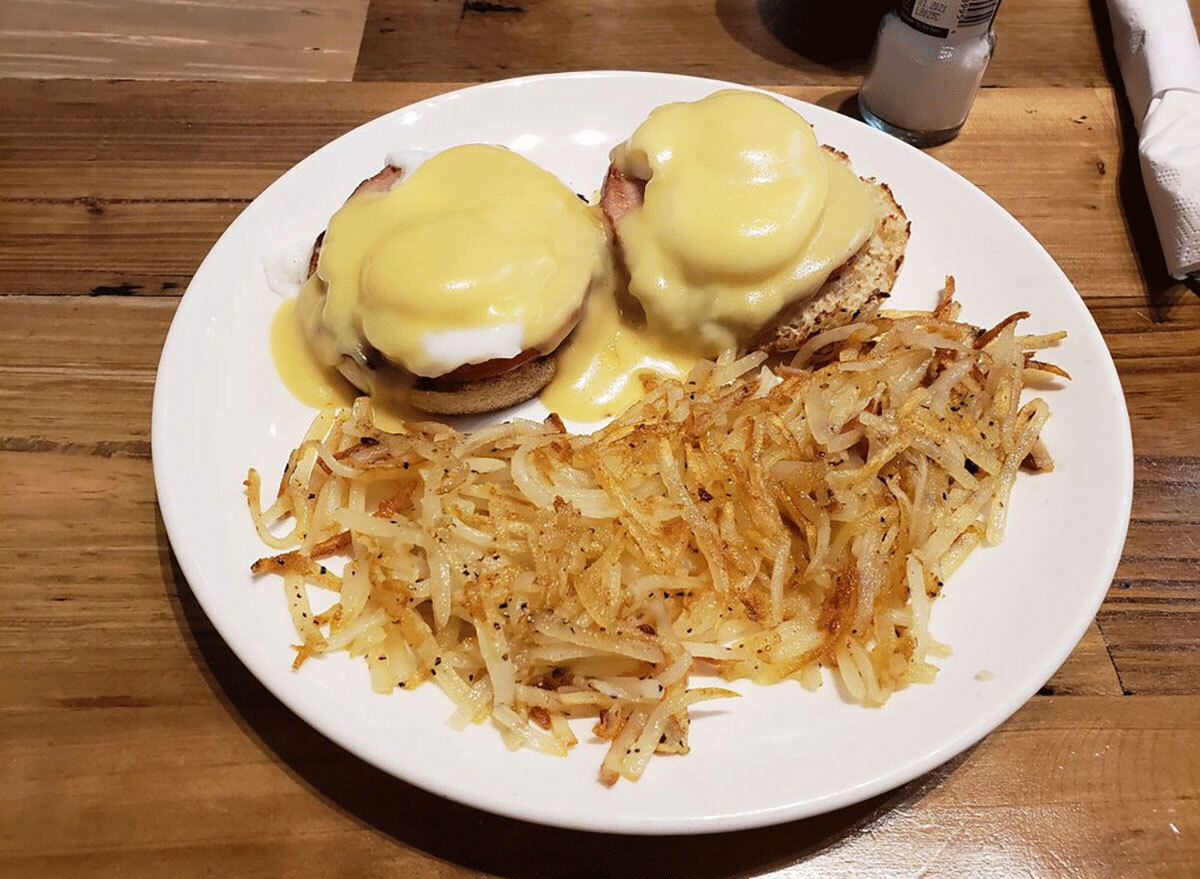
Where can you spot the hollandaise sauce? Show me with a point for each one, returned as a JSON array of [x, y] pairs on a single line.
[[481, 255], [316, 384], [310, 381], [744, 214], [478, 255], [600, 368]]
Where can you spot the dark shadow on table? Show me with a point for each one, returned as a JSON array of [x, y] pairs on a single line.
[[805, 34], [1163, 293], [476, 839], [844, 101]]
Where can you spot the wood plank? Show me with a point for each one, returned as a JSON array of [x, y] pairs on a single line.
[[1151, 617], [1088, 671], [151, 141], [198, 153], [74, 337], [63, 340], [181, 39], [102, 248], [1039, 42]]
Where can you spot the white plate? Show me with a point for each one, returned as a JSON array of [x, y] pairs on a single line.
[[1012, 613]]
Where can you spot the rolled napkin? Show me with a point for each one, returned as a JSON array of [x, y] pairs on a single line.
[[1159, 57]]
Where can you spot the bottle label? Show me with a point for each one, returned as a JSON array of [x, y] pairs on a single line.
[[941, 18]]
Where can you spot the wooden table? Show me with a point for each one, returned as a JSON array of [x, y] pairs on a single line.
[[133, 743]]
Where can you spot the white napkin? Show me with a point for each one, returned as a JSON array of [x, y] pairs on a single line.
[[1160, 63]]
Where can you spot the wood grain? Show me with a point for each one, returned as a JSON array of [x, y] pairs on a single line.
[[1039, 42], [181, 39], [196, 154], [133, 743]]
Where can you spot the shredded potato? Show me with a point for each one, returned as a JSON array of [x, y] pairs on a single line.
[[756, 524]]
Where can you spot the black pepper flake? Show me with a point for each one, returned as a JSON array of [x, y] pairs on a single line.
[[971, 466], [496, 626], [323, 569], [703, 494], [503, 605], [404, 465], [433, 671], [369, 441], [438, 661], [311, 496], [280, 562]]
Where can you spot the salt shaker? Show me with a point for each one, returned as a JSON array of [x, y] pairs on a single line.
[[926, 68]]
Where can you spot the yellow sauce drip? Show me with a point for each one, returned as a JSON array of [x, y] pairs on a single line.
[[312, 382], [601, 365]]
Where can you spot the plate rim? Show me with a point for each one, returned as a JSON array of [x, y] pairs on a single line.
[[997, 710]]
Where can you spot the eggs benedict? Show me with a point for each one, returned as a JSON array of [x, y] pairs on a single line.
[[450, 286], [737, 230]]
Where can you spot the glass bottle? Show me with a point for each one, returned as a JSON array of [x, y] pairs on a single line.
[[926, 68]]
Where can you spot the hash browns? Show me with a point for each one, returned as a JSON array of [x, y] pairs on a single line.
[[749, 522]]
